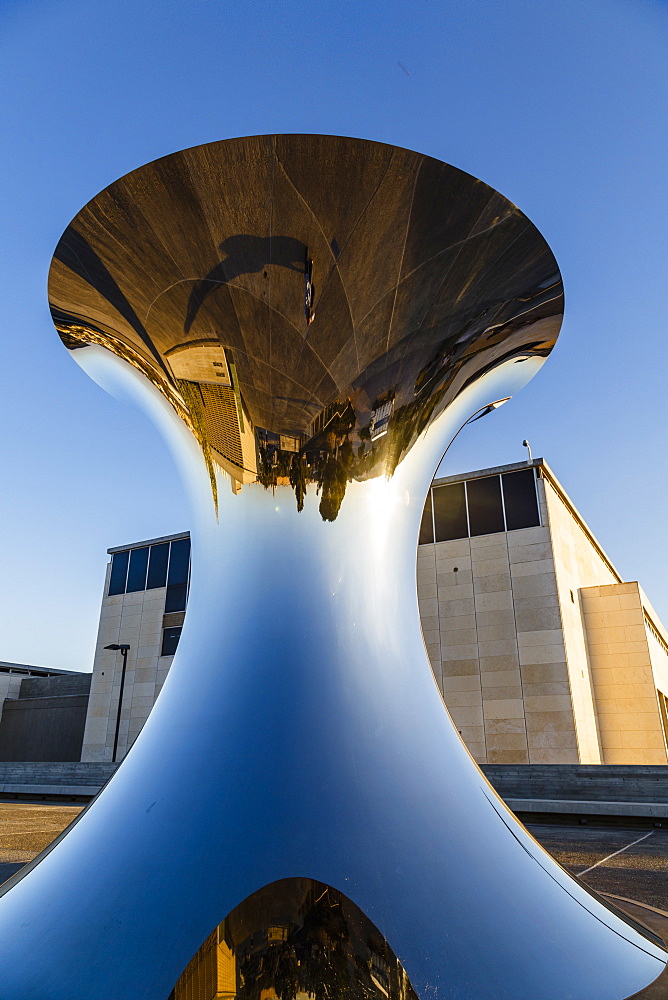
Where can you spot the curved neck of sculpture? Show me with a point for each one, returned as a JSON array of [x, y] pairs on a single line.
[[286, 590]]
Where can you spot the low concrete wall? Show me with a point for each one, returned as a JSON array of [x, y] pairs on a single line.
[[63, 779], [610, 782], [46, 722], [584, 789], [43, 729]]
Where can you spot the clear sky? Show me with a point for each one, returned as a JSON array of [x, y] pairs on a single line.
[[559, 105]]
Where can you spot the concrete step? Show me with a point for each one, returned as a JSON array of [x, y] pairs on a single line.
[[34, 775], [581, 782], [582, 807]]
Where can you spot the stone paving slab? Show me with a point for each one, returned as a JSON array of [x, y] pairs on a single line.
[[26, 828], [632, 863]]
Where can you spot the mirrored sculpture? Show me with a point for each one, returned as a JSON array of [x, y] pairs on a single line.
[[309, 320]]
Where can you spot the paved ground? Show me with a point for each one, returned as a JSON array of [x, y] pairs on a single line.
[[624, 862], [26, 829]]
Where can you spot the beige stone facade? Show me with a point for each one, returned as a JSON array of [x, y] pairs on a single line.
[[541, 651], [629, 664]]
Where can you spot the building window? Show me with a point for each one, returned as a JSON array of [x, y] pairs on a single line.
[[485, 505], [177, 577], [157, 566], [482, 506], [449, 512], [427, 524], [119, 572], [137, 570], [179, 562], [176, 598], [520, 500], [170, 640], [151, 566]]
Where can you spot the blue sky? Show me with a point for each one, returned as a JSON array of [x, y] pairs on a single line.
[[559, 105]]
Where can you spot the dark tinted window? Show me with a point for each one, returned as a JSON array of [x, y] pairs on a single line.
[[426, 526], [137, 571], [170, 640], [519, 497], [157, 566], [449, 512], [179, 561], [485, 509], [176, 597], [119, 571]]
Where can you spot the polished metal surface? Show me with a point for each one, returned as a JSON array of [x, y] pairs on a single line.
[[309, 320], [308, 304]]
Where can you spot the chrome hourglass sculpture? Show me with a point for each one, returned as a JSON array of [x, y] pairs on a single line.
[[309, 320]]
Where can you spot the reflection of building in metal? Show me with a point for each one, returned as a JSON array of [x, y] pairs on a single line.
[[211, 974], [426, 279], [208, 383], [296, 939], [380, 418], [542, 652], [288, 442]]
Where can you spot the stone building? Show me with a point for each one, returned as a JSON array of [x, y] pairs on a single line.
[[542, 652]]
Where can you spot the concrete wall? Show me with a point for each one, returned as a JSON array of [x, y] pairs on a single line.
[[507, 620], [579, 781], [579, 562], [46, 722], [493, 634]]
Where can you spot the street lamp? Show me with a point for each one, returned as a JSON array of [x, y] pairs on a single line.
[[123, 647]]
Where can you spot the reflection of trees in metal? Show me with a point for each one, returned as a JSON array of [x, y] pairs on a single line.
[[296, 939]]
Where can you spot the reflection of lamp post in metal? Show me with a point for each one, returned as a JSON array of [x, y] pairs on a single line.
[[482, 412], [123, 647]]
